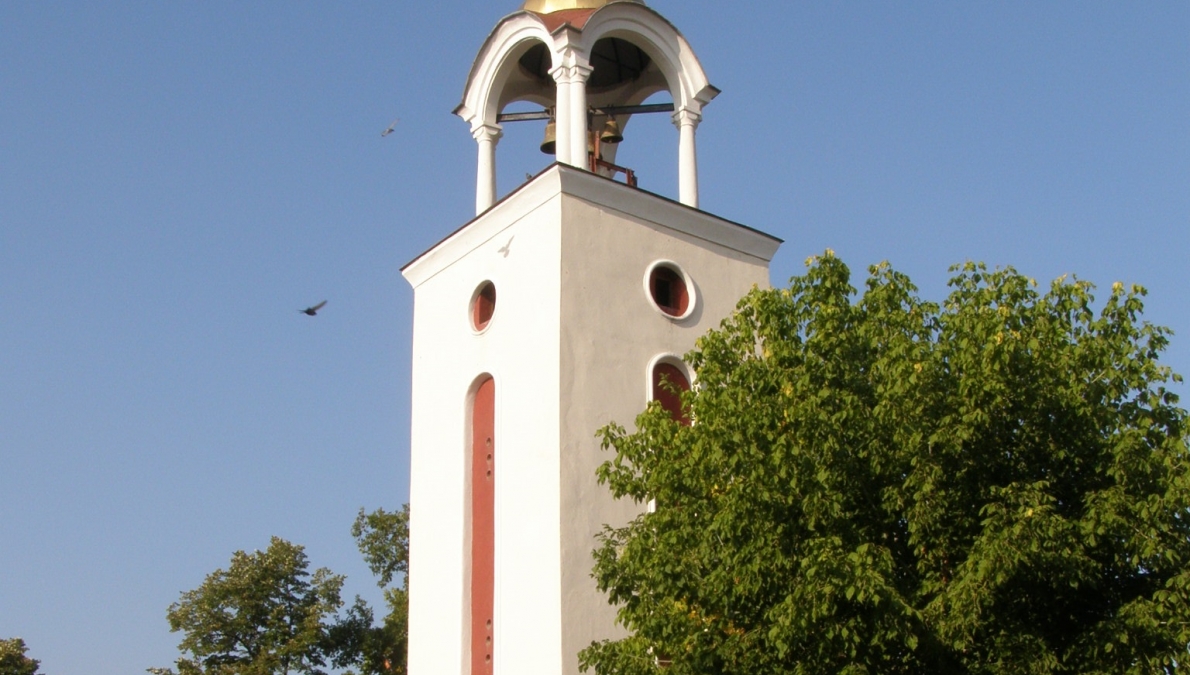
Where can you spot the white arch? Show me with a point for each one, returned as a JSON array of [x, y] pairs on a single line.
[[663, 43], [495, 63], [485, 85]]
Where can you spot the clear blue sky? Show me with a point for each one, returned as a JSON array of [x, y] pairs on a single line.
[[176, 179]]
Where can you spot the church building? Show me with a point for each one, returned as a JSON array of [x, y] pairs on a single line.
[[559, 308]]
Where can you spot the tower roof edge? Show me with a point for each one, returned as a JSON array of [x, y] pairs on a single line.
[[549, 6], [561, 179]]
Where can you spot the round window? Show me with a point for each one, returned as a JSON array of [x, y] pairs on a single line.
[[483, 305], [669, 289]]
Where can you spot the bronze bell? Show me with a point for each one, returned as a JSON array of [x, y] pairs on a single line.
[[550, 144], [611, 132]]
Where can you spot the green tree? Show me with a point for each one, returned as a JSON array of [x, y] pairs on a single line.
[[878, 484], [383, 539], [266, 615], [13, 660]]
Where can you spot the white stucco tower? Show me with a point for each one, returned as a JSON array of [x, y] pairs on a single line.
[[553, 312]]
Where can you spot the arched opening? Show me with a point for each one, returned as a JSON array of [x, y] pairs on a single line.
[[669, 381], [483, 526], [528, 89], [673, 69]]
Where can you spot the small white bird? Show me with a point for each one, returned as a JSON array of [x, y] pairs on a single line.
[[504, 249], [390, 128]]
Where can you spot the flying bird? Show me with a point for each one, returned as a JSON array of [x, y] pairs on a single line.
[[504, 249], [390, 128], [312, 311]]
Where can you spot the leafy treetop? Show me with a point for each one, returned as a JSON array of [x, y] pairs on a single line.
[[266, 615], [13, 660], [383, 539], [880, 484]]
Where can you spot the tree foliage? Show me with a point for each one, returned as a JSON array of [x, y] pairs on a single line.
[[383, 539], [13, 660], [266, 615], [879, 484]]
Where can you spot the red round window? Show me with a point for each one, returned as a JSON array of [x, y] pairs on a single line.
[[483, 305], [668, 289]]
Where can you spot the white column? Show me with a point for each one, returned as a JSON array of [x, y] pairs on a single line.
[[578, 115], [562, 116], [686, 121], [487, 135]]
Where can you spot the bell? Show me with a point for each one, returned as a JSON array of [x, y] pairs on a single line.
[[550, 145], [611, 132]]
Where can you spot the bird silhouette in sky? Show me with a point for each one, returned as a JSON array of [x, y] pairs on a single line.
[[392, 127], [313, 311]]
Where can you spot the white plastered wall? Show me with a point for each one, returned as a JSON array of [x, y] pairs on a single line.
[[519, 349], [569, 346], [611, 334]]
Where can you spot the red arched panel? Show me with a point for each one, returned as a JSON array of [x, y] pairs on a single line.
[[670, 400], [483, 526]]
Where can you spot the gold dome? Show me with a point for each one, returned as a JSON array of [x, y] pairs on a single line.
[[547, 6]]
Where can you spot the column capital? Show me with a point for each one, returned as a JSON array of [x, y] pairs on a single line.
[[573, 64], [579, 73], [687, 117], [568, 74], [487, 132]]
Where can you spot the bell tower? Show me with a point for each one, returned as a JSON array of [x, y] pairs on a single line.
[[559, 308], [587, 61]]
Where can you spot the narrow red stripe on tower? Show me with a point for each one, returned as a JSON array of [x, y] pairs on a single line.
[[483, 526]]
